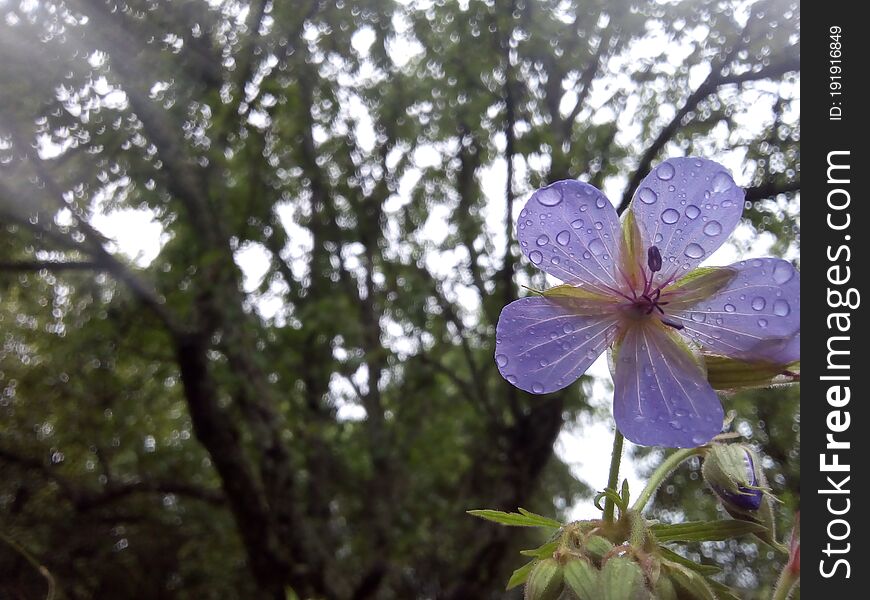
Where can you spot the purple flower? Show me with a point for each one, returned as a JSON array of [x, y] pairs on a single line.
[[634, 286]]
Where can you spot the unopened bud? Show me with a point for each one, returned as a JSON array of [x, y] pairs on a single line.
[[596, 547], [665, 589], [582, 578], [733, 473], [622, 579], [545, 582], [690, 585]]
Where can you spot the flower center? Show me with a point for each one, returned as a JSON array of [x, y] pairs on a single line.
[[649, 301]]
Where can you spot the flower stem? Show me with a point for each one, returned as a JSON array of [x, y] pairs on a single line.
[[613, 478], [658, 477], [785, 585]]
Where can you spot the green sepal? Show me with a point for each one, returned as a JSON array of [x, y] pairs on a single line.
[[731, 374]]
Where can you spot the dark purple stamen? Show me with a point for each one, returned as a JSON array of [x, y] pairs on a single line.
[[670, 323], [654, 259]]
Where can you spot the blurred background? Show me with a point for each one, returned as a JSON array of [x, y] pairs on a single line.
[[252, 255]]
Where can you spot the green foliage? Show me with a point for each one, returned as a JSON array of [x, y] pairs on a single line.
[[177, 425]]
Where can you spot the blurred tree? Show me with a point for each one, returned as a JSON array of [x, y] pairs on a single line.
[[174, 426]]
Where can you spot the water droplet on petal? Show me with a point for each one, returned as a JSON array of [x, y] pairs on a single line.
[[665, 171], [782, 273], [698, 317], [694, 251], [563, 237], [600, 202], [670, 216], [730, 308], [556, 260], [536, 257], [549, 196], [542, 240], [596, 246], [578, 224], [537, 388], [584, 208], [762, 322], [758, 303], [647, 196], [781, 308], [692, 211], [658, 238], [712, 228], [722, 182], [501, 360]]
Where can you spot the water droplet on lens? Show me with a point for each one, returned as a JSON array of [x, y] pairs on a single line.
[[670, 216], [501, 360], [647, 196], [712, 228], [781, 308], [758, 303], [692, 211], [563, 237], [542, 240], [665, 171], [549, 196], [596, 246], [694, 251], [536, 257], [782, 273]]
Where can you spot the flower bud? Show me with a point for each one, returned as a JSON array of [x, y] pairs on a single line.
[[582, 578], [622, 579], [596, 547], [733, 473], [545, 582], [665, 589], [690, 585]]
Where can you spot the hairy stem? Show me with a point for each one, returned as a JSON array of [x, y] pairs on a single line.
[[612, 479], [786, 584], [662, 472]]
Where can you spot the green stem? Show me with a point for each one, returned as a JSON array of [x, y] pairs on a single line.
[[613, 478], [785, 585], [658, 477]]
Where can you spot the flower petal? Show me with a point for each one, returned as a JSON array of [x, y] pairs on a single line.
[[754, 317], [661, 397], [570, 230], [687, 207], [543, 345]]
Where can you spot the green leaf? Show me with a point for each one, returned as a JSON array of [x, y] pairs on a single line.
[[544, 551], [723, 592], [522, 519], [520, 575], [702, 531], [673, 557]]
